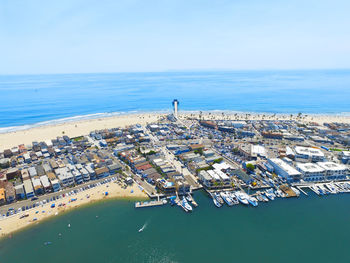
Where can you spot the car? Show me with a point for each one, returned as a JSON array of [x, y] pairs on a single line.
[[34, 198]]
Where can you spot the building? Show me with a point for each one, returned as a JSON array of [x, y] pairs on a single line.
[[28, 188], [20, 194], [345, 157], [311, 172], [334, 171], [206, 179], [45, 183], [309, 154], [175, 105], [2, 196], [285, 170]]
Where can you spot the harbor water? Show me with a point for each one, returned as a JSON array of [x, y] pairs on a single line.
[[44, 99], [304, 229]]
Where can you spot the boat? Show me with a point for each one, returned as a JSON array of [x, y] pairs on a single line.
[[269, 194], [142, 228], [216, 203], [226, 198], [295, 190], [186, 204], [47, 243], [218, 198], [260, 199], [189, 197], [241, 197], [233, 198], [68, 225], [252, 200]]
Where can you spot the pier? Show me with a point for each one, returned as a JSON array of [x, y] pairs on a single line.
[[150, 203]]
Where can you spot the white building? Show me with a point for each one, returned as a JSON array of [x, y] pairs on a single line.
[[309, 154], [46, 183], [311, 171], [334, 171], [205, 178], [55, 185], [345, 156], [285, 170], [28, 188]]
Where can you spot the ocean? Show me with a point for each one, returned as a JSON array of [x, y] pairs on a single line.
[[305, 229], [30, 100]]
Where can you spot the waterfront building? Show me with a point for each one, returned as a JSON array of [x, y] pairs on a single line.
[[20, 194], [28, 188], [206, 179], [285, 170], [334, 171], [2, 196], [55, 185], [38, 188], [45, 183], [309, 154], [311, 172]]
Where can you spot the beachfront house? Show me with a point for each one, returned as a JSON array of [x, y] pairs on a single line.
[[20, 194], [28, 188]]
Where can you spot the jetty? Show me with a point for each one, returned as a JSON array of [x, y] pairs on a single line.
[[151, 203]]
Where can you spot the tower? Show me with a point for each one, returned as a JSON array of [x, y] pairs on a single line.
[[175, 105]]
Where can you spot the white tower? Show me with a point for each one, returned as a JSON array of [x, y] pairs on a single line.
[[175, 105]]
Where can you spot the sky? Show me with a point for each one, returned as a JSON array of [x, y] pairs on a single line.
[[72, 36]]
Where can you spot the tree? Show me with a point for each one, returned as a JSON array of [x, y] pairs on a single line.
[[250, 167]]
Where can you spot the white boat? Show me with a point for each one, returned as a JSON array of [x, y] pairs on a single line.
[[242, 198], [189, 198], [270, 195], [233, 198], [226, 198], [142, 228], [186, 204], [216, 203], [218, 198], [295, 190], [252, 200]]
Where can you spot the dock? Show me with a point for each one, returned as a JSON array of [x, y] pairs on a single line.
[[149, 203], [301, 190]]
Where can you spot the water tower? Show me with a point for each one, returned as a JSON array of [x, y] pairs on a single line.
[[175, 105]]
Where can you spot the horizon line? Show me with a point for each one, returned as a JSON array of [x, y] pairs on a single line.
[[175, 70]]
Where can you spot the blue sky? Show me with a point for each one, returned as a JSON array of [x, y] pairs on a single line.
[[147, 35]]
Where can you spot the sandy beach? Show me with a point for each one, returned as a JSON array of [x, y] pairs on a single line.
[[73, 129], [12, 224], [84, 127]]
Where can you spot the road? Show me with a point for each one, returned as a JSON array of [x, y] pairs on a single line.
[[28, 202]]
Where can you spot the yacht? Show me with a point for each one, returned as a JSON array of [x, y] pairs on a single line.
[[216, 203], [218, 198], [252, 200], [186, 205], [269, 193], [233, 198], [189, 197], [226, 198], [242, 198]]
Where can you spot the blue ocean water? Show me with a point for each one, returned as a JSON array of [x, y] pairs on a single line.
[[29, 99]]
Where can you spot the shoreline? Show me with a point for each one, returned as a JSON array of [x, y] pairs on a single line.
[[85, 126], [12, 225]]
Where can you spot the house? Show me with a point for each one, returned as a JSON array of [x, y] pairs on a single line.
[[20, 194], [2, 196], [28, 188]]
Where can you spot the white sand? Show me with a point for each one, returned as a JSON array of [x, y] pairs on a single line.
[[72, 129]]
